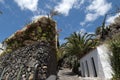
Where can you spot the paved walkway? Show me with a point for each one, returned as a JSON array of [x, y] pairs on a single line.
[[66, 74]]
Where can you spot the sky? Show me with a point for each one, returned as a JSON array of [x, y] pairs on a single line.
[[76, 15]]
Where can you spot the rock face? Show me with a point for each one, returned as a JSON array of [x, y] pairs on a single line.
[[36, 61], [31, 52]]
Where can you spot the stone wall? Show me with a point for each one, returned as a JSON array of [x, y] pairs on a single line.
[[26, 59], [31, 52]]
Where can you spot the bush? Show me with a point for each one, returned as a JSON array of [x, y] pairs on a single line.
[[115, 58], [34, 32]]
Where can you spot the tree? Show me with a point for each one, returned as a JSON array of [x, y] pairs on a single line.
[[80, 43], [77, 45]]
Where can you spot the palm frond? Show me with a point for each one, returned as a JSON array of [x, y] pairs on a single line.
[[79, 43]]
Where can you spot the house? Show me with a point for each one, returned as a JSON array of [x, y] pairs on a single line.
[[97, 63]]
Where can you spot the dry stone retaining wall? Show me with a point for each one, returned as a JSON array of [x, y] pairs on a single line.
[[30, 53], [25, 60]]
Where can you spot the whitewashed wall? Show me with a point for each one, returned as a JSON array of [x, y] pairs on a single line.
[[102, 63], [104, 52]]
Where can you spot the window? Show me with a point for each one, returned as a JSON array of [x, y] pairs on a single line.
[[87, 69], [94, 68]]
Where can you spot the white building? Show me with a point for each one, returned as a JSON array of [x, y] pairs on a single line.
[[97, 63]]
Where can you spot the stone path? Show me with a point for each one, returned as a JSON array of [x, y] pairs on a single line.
[[66, 74]]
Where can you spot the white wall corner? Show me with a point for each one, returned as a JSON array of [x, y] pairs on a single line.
[[104, 52]]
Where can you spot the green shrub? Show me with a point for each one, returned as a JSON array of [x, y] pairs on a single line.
[[33, 32], [115, 58]]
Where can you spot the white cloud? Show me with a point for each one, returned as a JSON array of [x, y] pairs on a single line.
[[91, 17], [78, 3], [27, 4], [96, 9], [110, 19], [65, 6]]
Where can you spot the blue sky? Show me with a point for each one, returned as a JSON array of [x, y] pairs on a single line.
[[76, 15]]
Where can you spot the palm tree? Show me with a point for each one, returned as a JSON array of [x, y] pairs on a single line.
[[77, 45], [80, 43]]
